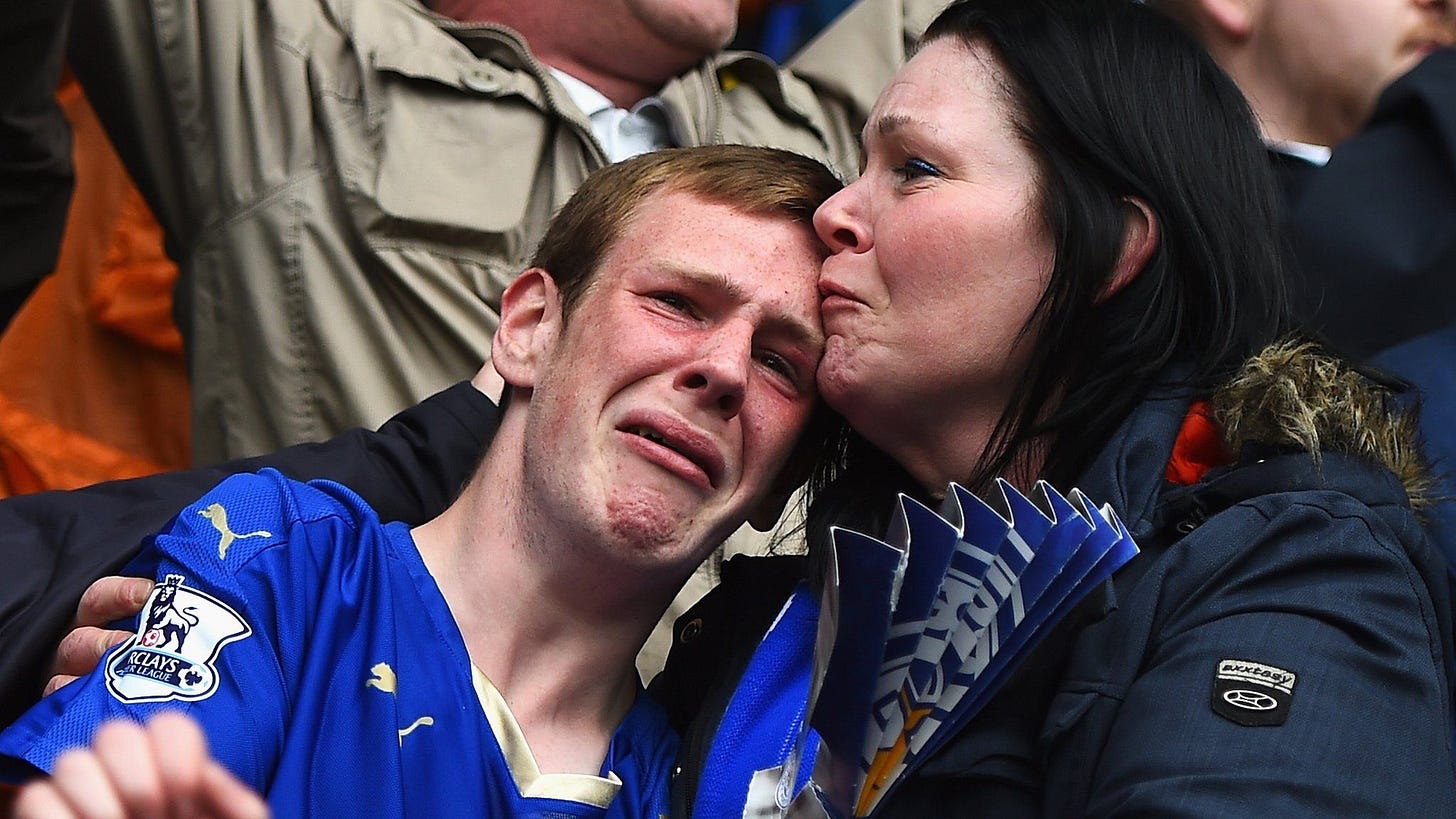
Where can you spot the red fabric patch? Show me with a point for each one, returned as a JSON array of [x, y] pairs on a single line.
[[1199, 447]]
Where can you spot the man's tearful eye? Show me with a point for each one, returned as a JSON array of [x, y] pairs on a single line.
[[778, 364], [674, 302]]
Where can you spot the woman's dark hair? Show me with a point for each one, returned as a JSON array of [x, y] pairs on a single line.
[[1115, 102]]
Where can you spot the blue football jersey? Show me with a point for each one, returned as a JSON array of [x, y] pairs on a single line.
[[322, 662]]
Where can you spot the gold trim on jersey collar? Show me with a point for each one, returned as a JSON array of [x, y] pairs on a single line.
[[584, 788]]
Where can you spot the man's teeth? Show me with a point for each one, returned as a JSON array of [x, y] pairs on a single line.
[[656, 438], [650, 435]]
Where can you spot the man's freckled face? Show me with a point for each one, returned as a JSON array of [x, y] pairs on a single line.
[[682, 378]]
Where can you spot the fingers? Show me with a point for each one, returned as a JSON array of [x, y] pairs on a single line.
[[488, 381], [225, 797], [85, 785], [181, 761], [158, 771], [126, 753], [112, 598], [41, 800], [57, 682], [195, 784], [80, 652]]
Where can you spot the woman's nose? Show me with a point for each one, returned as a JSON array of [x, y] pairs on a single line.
[[838, 221]]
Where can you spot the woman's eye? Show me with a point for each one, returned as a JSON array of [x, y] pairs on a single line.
[[912, 169]]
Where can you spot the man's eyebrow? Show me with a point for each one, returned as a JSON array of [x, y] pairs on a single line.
[[800, 331]]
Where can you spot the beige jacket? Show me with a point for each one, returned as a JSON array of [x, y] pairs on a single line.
[[348, 185]]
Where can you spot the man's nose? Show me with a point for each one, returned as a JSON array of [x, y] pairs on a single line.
[[720, 371]]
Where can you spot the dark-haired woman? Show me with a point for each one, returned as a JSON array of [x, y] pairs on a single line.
[[1060, 262]]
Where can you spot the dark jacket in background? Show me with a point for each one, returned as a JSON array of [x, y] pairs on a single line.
[[35, 153], [1373, 239], [1373, 233]]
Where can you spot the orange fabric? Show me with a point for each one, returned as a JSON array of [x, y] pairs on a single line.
[[132, 293], [92, 382], [1198, 448]]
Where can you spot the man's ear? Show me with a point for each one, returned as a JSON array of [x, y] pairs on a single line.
[[530, 322], [1140, 238]]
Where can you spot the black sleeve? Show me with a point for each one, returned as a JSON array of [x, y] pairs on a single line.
[[35, 148], [55, 544]]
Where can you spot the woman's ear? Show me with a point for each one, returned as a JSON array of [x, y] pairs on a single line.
[[1139, 239], [530, 323], [1215, 22], [1233, 19]]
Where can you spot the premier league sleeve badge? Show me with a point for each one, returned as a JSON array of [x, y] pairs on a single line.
[[173, 655]]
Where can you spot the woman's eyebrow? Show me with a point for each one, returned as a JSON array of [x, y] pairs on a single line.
[[886, 124]]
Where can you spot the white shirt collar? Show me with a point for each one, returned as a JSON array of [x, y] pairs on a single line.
[[1313, 154], [622, 134]]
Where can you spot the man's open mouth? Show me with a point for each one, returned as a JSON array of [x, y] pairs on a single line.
[[691, 445]]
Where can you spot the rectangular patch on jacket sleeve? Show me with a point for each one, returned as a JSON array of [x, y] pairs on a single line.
[[1251, 693]]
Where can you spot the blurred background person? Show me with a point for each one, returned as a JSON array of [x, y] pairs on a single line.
[[1357, 103], [347, 194], [1370, 226]]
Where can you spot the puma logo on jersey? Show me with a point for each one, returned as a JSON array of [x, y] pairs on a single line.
[[383, 678], [404, 732], [218, 515]]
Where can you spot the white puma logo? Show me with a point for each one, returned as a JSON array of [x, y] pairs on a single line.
[[404, 732], [218, 516], [382, 677]]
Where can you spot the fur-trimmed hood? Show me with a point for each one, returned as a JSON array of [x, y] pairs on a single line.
[[1294, 394]]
